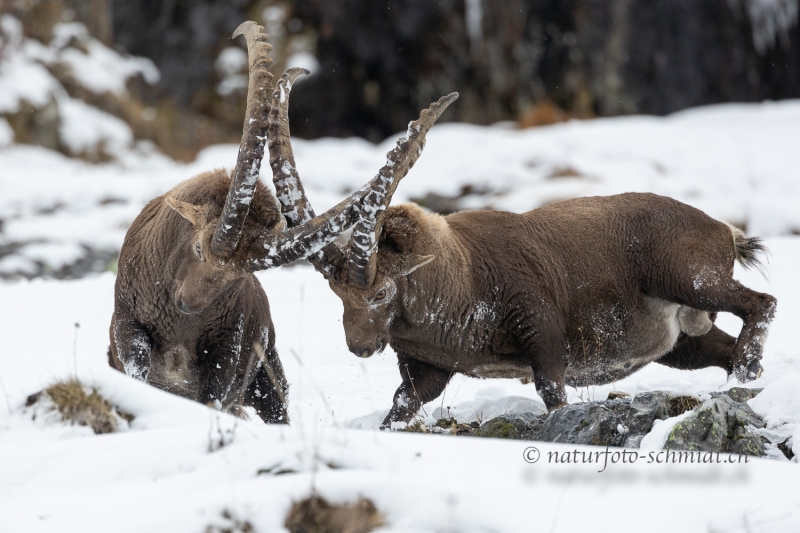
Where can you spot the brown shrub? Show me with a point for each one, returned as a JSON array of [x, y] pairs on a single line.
[[316, 515], [78, 407]]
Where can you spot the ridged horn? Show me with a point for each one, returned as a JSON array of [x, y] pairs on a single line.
[[254, 138], [361, 258], [291, 195]]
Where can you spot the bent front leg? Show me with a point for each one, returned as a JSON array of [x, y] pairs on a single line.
[[267, 393], [421, 384], [130, 346]]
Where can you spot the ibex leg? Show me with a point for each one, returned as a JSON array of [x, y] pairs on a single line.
[[421, 384]]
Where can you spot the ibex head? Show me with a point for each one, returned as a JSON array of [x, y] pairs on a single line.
[[369, 290], [370, 310], [201, 272]]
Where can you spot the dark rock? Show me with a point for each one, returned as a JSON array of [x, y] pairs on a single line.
[[586, 423], [705, 430], [588, 58], [720, 424], [646, 408], [786, 449], [520, 426], [742, 394], [92, 261]]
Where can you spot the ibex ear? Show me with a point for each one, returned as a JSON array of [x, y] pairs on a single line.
[[399, 231], [190, 212], [415, 261]]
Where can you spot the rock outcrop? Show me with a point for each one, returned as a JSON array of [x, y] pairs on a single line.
[[722, 423]]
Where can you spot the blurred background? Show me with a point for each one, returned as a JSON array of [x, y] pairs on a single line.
[[374, 63], [106, 104]]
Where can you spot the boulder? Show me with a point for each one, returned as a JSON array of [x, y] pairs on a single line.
[[723, 423]]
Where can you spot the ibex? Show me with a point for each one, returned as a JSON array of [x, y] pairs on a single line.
[[189, 315], [580, 292]]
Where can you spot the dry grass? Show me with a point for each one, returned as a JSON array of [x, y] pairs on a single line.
[[544, 113], [680, 404], [77, 407], [316, 515], [564, 172]]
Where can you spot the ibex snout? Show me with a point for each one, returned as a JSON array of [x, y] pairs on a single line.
[[360, 349], [365, 349]]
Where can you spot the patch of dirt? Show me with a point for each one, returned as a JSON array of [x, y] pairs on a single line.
[[316, 515], [564, 172]]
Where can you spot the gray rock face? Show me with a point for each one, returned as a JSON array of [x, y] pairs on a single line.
[[721, 424], [724, 423]]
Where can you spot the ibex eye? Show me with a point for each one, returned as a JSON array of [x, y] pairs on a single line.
[[381, 295], [198, 249]]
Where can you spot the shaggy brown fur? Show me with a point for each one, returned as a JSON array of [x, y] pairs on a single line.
[[163, 329], [584, 291]]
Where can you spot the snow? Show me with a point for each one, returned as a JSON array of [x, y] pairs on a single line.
[[179, 464], [772, 20], [26, 80], [231, 65], [85, 65], [84, 129], [304, 60], [6, 133]]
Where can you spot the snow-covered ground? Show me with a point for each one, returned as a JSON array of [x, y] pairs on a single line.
[[733, 161]]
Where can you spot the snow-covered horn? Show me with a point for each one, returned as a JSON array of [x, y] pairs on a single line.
[[295, 206], [254, 138], [362, 260]]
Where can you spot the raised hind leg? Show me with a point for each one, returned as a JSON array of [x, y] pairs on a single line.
[[718, 293], [714, 348]]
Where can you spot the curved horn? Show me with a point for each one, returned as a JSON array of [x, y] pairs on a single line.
[[251, 149], [295, 206], [307, 239], [362, 261], [289, 189]]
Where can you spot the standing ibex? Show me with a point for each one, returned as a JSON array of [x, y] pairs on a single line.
[[584, 291], [190, 316]]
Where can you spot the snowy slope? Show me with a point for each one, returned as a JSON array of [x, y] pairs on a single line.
[[735, 162], [160, 476]]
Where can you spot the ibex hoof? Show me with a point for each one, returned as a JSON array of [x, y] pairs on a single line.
[[749, 372]]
